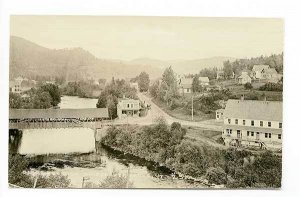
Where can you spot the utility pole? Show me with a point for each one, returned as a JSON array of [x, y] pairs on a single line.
[[192, 106]]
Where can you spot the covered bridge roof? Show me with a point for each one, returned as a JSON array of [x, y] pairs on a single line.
[[58, 113]]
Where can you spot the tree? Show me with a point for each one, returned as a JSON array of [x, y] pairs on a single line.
[[227, 67], [216, 175], [168, 89], [54, 93], [248, 86], [196, 84], [154, 89], [116, 181], [42, 100], [15, 101], [143, 81]]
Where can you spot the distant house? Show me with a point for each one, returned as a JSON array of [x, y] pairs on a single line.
[[219, 114], [253, 123], [244, 78], [134, 85], [128, 107], [258, 71], [220, 74], [204, 81], [185, 86], [15, 87]]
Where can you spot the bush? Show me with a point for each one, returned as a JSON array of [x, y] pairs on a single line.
[[271, 87], [216, 175], [248, 86]]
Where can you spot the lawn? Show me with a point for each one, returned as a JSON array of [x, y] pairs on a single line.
[[184, 114]]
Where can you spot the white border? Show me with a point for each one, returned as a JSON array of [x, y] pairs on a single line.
[[287, 9]]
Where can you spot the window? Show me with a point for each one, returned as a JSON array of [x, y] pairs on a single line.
[[280, 125], [248, 133], [279, 136], [229, 121], [187, 90], [266, 135], [252, 122], [270, 135], [127, 105], [261, 123], [217, 116], [269, 124], [244, 122], [252, 133], [236, 121]]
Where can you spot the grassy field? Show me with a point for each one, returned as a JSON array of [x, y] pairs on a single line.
[[184, 114]]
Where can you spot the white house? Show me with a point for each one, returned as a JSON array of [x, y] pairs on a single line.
[[219, 114], [244, 78], [204, 81], [258, 71], [128, 107], [253, 123], [185, 86]]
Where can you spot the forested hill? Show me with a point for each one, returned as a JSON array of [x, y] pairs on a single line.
[[274, 61], [29, 59]]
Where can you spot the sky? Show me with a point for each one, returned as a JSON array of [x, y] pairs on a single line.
[[165, 38]]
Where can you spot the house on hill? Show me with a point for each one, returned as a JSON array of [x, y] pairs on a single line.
[[204, 81], [244, 78], [258, 71], [185, 86], [128, 107], [253, 123]]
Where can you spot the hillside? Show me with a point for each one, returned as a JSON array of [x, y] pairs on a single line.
[[29, 59], [185, 66]]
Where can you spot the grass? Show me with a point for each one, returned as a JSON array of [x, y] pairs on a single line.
[[182, 113]]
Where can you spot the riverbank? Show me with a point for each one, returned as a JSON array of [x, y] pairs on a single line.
[[196, 161], [175, 174]]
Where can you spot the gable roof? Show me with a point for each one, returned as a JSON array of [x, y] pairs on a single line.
[[58, 113], [244, 75], [204, 79], [253, 109], [271, 71], [260, 67]]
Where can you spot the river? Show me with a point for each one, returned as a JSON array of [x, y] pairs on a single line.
[[141, 173]]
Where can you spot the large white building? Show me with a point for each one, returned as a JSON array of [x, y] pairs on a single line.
[[253, 123], [128, 107]]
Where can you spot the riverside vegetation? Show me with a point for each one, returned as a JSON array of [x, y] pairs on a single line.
[[168, 146]]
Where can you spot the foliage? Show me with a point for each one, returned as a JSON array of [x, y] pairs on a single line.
[[53, 181], [271, 87], [43, 97], [216, 175], [168, 88], [248, 86], [143, 81], [196, 87], [83, 89], [211, 73], [112, 91], [154, 89], [117, 181], [274, 61]]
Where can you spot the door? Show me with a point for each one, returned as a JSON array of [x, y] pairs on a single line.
[[239, 135], [257, 135]]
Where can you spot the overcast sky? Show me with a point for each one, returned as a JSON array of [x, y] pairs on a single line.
[[163, 38]]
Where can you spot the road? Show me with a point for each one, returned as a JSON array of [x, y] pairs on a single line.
[[156, 112]]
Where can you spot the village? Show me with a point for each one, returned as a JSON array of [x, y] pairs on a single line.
[[243, 122]]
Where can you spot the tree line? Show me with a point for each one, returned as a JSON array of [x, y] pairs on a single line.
[[167, 146], [42, 97]]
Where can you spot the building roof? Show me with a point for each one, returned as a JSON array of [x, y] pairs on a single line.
[[204, 79], [186, 82], [255, 129], [253, 109], [260, 67], [58, 113], [220, 110], [244, 75], [271, 71]]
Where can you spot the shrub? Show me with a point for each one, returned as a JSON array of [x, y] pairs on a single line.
[[248, 86], [216, 175]]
